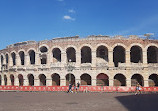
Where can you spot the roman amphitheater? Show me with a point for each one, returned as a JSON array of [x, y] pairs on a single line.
[[94, 60]]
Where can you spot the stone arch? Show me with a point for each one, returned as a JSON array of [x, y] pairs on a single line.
[[70, 78], [86, 54], [42, 79], [32, 56], [152, 54], [153, 80], [21, 79], [85, 79], [13, 55], [136, 54], [44, 48], [5, 80], [118, 55], [31, 79], [56, 55], [71, 54], [55, 79], [102, 80], [12, 79], [137, 78], [119, 80], [102, 53], [22, 57]]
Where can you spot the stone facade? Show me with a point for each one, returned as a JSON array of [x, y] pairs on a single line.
[[95, 60]]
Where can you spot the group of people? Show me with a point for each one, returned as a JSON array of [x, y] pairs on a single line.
[[138, 89], [75, 89]]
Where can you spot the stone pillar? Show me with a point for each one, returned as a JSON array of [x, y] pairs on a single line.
[[93, 82], [26, 82], [128, 82], [146, 83], [93, 58], [16, 81], [27, 60], [8, 80], [2, 79], [128, 58], [48, 82], [62, 80], [110, 56], [63, 58], [111, 80], [49, 58], [18, 60], [36, 82], [10, 61], [78, 59], [144, 55], [37, 59]]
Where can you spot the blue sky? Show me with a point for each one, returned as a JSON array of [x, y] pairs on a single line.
[[23, 20]]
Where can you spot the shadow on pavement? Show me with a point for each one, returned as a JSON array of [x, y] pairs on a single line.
[[143, 102]]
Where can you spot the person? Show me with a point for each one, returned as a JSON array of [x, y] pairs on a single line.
[[70, 86], [138, 89], [74, 88], [78, 86]]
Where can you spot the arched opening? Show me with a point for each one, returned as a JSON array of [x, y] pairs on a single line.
[[86, 55], [32, 56], [7, 60], [22, 57], [13, 58], [43, 49], [12, 79], [70, 78], [152, 54], [102, 54], [2, 60], [43, 59], [153, 80], [102, 80], [55, 79], [21, 80], [137, 78], [85, 79], [118, 55], [5, 80], [56, 55], [0, 80], [71, 54], [136, 54], [31, 80], [119, 80], [42, 78]]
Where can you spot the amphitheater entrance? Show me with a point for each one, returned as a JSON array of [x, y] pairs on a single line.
[[85, 79], [12, 79], [153, 80], [5, 80], [71, 54], [21, 80], [102, 53], [32, 56], [22, 57], [55, 79], [70, 78], [31, 80], [137, 78], [119, 80], [152, 54], [56, 55], [42, 78], [86, 56], [136, 54], [118, 55], [102, 80]]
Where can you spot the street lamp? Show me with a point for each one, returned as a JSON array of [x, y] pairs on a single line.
[[69, 69]]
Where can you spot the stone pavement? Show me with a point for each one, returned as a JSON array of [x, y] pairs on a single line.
[[61, 101]]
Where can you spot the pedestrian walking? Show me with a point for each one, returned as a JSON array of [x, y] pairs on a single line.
[[78, 86]]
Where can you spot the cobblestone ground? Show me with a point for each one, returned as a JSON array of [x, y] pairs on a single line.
[[61, 101]]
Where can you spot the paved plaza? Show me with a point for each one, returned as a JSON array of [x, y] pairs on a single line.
[[61, 101]]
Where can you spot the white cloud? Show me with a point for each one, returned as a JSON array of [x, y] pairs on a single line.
[[71, 11], [67, 17]]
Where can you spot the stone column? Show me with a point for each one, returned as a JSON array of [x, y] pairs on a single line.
[[49, 58], [128, 82], [111, 80], [48, 82], [37, 59], [146, 83], [128, 58], [18, 60], [63, 58], [36, 82], [144, 58], [2, 79], [110, 56], [10, 61], [8, 79], [93, 58], [27, 60], [78, 58], [26, 82], [16, 81]]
